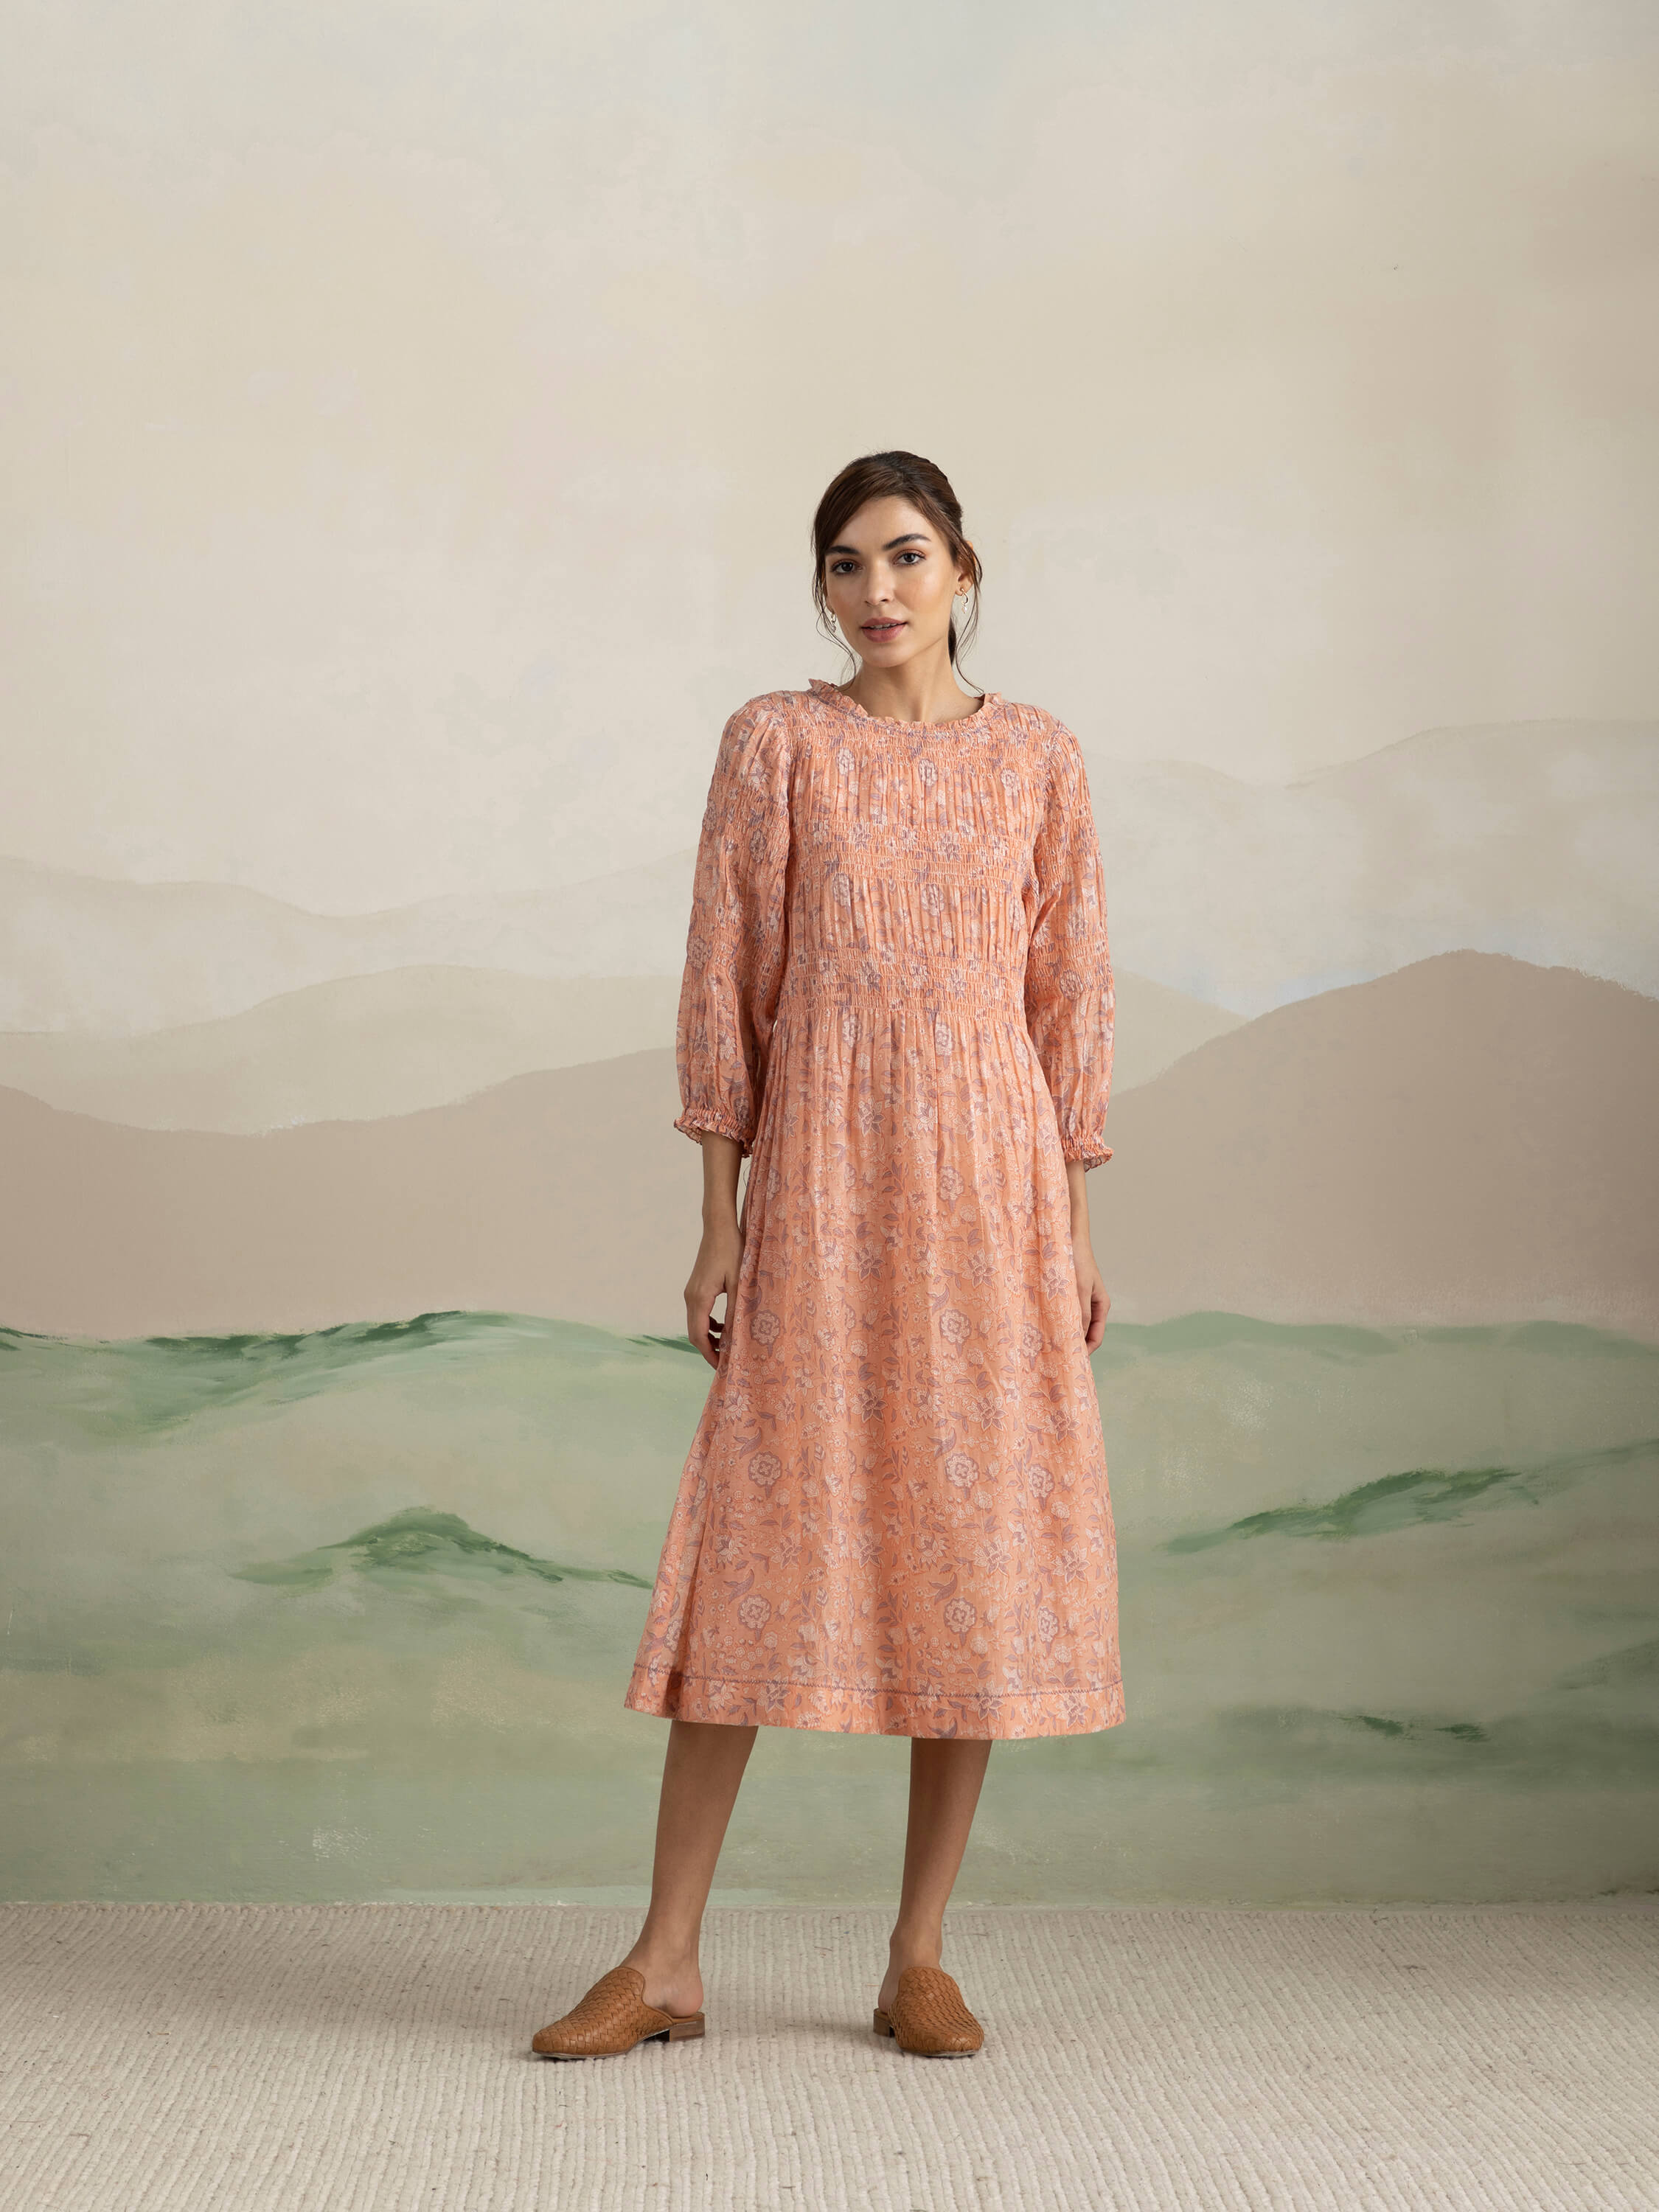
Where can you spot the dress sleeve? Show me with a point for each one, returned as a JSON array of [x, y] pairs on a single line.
[[737, 941], [1069, 1000]]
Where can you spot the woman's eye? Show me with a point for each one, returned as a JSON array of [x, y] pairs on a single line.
[[912, 555]]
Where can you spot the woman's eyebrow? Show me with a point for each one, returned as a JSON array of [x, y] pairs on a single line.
[[887, 548]]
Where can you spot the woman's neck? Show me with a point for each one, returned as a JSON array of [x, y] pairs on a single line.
[[924, 690]]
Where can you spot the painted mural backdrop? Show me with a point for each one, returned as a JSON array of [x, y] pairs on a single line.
[[400, 448]]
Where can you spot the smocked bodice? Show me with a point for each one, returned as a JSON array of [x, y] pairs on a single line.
[[913, 857], [946, 872]]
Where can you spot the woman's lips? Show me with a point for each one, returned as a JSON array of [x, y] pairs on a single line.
[[879, 630]]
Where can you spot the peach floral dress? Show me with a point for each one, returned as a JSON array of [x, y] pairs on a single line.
[[894, 1516]]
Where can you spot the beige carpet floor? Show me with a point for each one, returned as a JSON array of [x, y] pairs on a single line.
[[335, 2059]]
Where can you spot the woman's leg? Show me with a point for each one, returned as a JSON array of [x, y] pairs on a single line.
[[701, 1773], [945, 1774]]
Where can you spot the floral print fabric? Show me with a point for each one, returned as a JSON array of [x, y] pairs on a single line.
[[894, 1515]]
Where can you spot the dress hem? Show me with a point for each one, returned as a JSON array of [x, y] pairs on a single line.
[[844, 1710]]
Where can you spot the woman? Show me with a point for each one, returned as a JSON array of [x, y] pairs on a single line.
[[897, 1004]]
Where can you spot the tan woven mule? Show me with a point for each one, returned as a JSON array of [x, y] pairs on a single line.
[[929, 2017], [610, 2019]]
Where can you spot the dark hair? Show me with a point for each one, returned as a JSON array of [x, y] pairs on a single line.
[[894, 475]]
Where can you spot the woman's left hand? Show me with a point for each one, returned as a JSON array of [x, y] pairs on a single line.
[[1094, 1299]]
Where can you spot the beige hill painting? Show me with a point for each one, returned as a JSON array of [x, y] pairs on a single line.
[[1535, 839], [344, 1383]]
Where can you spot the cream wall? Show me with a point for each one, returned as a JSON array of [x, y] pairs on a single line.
[[410, 422], [412, 417]]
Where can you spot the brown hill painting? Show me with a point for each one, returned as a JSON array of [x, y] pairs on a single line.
[[1466, 1140]]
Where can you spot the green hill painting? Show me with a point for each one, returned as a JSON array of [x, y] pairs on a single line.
[[415, 1545], [349, 1613]]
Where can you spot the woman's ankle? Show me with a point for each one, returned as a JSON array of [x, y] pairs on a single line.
[[671, 1950], [916, 1947]]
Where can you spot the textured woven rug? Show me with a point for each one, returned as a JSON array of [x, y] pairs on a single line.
[[334, 2058]]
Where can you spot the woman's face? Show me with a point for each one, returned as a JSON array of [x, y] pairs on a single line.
[[890, 579]]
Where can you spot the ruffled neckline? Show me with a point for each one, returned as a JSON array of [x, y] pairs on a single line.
[[823, 689]]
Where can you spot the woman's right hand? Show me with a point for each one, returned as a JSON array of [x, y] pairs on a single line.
[[720, 1257]]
